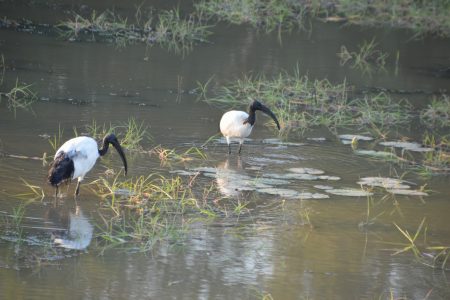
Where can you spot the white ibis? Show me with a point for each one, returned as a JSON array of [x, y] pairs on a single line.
[[239, 124], [77, 156]]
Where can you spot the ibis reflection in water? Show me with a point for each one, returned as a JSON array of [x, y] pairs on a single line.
[[76, 157], [79, 233], [239, 124]]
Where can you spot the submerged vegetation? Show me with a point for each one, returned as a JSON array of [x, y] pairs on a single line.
[[21, 96]]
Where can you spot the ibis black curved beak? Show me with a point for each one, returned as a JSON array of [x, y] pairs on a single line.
[[268, 112], [121, 153]]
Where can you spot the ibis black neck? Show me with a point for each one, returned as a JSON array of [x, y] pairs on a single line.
[[251, 115]]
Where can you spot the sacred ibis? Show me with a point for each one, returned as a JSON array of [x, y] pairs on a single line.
[[77, 156], [239, 124]]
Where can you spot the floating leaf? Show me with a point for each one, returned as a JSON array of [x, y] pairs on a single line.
[[374, 153], [349, 192], [350, 137], [384, 182], [280, 142], [407, 192], [323, 187], [411, 146], [184, 172], [327, 177], [306, 171]]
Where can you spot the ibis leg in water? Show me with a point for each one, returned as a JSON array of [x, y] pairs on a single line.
[[239, 124], [76, 157]]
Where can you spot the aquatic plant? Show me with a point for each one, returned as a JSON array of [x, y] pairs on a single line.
[[301, 103], [21, 96], [268, 15], [131, 134], [438, 256], [437, 113], [168, 29], [56, 140], [366, 59], [2, 68], [145, 210], [166, 155], [177, 33], [422, 17]]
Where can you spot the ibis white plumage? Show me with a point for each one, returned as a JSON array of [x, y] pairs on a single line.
[[76, 157], [239, 124]]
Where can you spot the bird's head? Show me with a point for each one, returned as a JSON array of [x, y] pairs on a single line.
[[112, 139], [256, 105]]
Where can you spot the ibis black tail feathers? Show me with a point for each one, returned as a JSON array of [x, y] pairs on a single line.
[[61, 170]]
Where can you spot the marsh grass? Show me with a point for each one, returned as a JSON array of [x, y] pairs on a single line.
[[131, 134], [57, 139], [34, 193], [2, 69], [145, 210], [21, 96], [437, 113], [268, 15], [301, 103], [437, 258], [437, 161], [168, 29], [167, 155], [366, 59], [422, 17], [176, 33]]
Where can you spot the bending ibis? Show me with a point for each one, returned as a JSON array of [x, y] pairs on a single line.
[[239, 124], [77, 156]]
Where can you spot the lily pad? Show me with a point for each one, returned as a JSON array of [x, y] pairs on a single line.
[[317, 139], [407, 192], [411, 146], [297, 176], [184, 172], [280, 142], [327, 177], [280, 192], [292, 194], [384, 182], [263, 161], [374, 153], [310, 171], [205, 169], [355, 136], [283, 156], [349, 192], [323, 187]]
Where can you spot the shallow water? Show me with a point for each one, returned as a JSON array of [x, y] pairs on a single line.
[[270, 250]]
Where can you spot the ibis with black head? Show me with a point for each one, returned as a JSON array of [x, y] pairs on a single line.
[[239, 124], [76, 157]]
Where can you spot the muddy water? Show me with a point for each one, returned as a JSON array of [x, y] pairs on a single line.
[[271, 250]]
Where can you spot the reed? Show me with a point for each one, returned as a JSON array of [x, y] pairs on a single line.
[[366, 59], [21, 96]]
